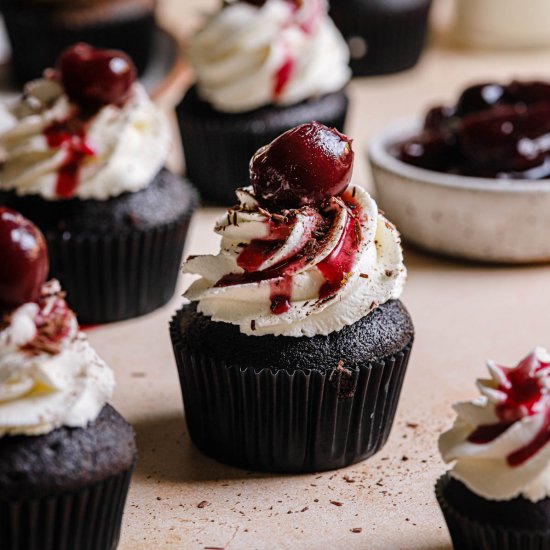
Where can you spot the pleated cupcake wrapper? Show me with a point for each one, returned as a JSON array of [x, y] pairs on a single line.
[[393, 42], [218, 151], [88, 519], [281, 422], [114, 276], [27, 29], [468, 534]]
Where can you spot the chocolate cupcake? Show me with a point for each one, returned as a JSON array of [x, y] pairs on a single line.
[[293, 353], [84, 160], [261, 68], [383, 37], [39, 30], [497, 494], [66, 458]]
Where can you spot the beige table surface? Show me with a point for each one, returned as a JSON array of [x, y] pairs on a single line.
[[463, 313]]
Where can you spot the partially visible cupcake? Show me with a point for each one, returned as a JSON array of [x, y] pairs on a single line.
[[84, 158], [66, 457], [261, 67], [39, 30], [384, 36], [497, 495], [293, 353]]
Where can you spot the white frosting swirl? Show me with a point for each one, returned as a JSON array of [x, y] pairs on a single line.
[[242, 49], [43, 388], [485, 466], [375, 275], [126, 145]]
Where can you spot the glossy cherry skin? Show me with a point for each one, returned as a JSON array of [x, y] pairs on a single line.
[[302, 167], [24, 260], [94, 77], [479, 97], [504, 139]]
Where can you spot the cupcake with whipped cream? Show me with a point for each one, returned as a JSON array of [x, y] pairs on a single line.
[[83, 154], [294, 347], [497, 494], [261, 68], [66, 456]]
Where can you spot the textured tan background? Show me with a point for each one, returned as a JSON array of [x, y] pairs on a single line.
[[463, 313]]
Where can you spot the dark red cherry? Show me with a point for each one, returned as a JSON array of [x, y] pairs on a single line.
[[479, 97], [506, 138], [302, 167], [93, 77], [528, 92], [439, 118], [24, 260], [431, 150]]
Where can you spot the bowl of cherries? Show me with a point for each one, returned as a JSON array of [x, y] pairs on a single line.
[[472, 180]]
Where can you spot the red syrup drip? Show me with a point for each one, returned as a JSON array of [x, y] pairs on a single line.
[[69, 134], [282, 76], [337, 265], [334, 267], [525, 396]]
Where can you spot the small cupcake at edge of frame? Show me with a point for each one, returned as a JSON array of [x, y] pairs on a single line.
[[497, 495], [262, 67], [66, 457], [84, 154], [293, 351]]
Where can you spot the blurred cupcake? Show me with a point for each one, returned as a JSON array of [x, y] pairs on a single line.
[[383, 36], [261, 68], [66, 457], [83, 158], [497, 495], [304, 296], [39, 30]]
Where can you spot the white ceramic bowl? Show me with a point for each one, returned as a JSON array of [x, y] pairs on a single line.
[[480, 219]]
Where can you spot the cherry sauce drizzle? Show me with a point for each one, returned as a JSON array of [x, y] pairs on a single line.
[[335, 267], [525, 396]]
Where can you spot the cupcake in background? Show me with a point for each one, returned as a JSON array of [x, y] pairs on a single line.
[[304, 296], [384, 36], [39, 30], [261, 67], [66, 457], [497, 495], [84, 153]]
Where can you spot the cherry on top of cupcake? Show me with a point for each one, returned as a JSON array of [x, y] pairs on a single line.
[[94, 77], [494, 130], [305, 166], [24, 260]]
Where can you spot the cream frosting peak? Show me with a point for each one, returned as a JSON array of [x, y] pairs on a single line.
[[49, 374], [299, 272], [52, 149], [248, 56], [500, 439]]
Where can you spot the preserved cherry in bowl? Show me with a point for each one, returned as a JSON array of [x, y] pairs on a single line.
[[493, 131]]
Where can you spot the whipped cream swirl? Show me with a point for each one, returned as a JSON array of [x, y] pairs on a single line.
[[500, 440], [302, 272], [282, 52], [49, 374], [50, 148]]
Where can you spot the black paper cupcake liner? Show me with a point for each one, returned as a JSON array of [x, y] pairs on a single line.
[[468, 534], [304, 421], [89, 519], [218, 146], [114, 276], [383, 38], [37, 38]]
